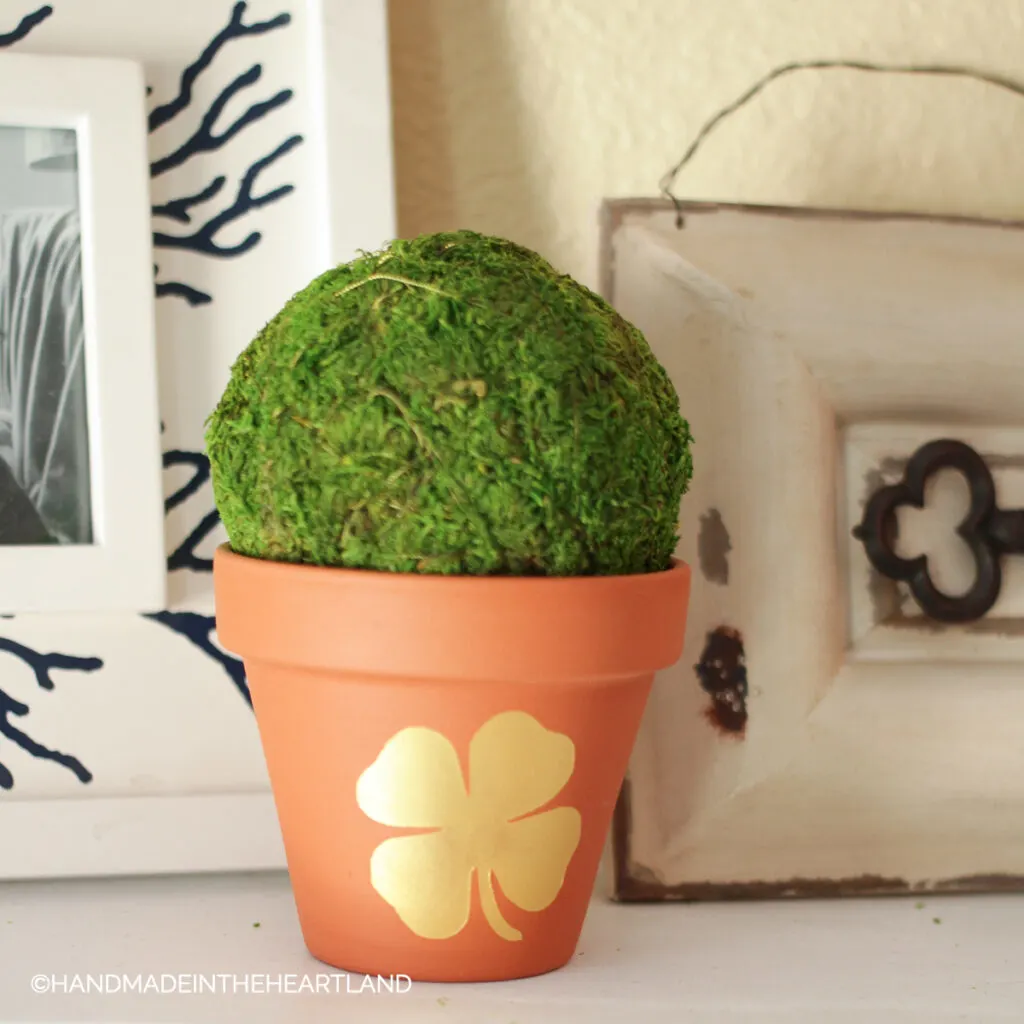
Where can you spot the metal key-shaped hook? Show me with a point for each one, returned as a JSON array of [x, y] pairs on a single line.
[[989, 532]]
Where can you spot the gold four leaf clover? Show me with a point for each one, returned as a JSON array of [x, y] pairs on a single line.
[[515, 767]]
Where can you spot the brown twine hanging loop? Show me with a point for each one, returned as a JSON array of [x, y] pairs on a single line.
[[668, 180]]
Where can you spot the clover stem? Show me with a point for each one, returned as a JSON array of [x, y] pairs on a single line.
[[490, 904]]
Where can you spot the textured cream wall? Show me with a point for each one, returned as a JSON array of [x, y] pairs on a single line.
[[518, 117]]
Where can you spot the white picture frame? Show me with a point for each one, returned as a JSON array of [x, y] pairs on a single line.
[[119, 565], [859, 747], [147, 758]]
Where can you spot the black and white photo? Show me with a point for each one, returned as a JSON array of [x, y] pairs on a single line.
[[81, 468], [45, 491]]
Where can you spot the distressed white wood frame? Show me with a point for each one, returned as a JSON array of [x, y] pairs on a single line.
[[124, 568], [813, 351], [222, 830]]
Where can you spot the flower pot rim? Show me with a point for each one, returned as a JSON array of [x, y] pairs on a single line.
[[430, 626], [225, 552]]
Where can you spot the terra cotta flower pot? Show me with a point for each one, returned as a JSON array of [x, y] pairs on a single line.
[[445, 752]]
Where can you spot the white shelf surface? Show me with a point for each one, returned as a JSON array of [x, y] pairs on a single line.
[[854, 962]]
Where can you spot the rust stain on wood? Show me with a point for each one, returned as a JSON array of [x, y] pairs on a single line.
[[722, 672], [713, 547]]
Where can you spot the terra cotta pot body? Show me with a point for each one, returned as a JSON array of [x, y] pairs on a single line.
[[445, 752]]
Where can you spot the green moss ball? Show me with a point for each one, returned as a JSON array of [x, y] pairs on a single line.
[[451, 404]]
